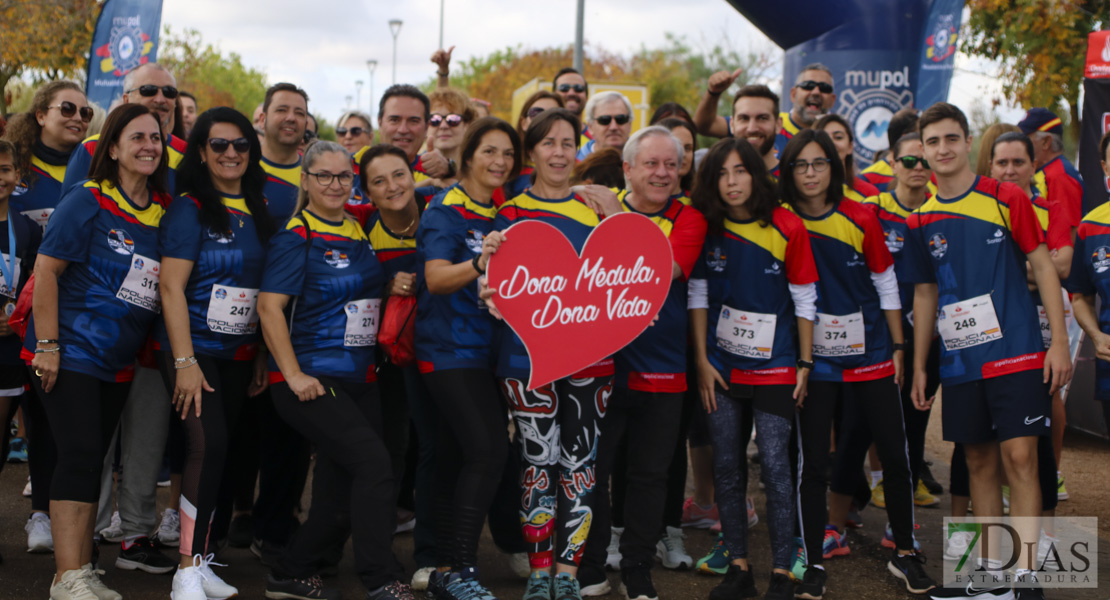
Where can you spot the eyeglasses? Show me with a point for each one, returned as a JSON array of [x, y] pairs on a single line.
[[354, 131], [68, 109], [808, 85], [452, 120], [566, 87], [219, 145], [324, 178], [150, 91], [620, 119], [310, 135], [820, 165], [535, 111], [910, 162]]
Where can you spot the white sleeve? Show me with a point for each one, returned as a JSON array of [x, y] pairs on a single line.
[[887, 286], [805, 300], [698, 294]]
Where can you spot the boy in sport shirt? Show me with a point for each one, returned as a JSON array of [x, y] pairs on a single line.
[[965, 247]]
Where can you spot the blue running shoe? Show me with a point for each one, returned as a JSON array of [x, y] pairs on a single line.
[[17, 450], [538, 587], [717, 561]]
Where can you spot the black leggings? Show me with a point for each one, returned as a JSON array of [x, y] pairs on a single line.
[[206, 444], [352, 484], [470, 454], [42, 451], [83, 412]]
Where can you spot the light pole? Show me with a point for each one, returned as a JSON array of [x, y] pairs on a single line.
[[358, 94], [579, 28], [348, 98], [395, 29], [370, 66], [440, 23]]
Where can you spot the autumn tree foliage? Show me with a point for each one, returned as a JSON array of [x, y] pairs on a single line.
[[203, 70]]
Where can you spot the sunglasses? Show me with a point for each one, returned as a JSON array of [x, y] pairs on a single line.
[[452, 120], [910, 162], [535, 111], [68, 109], [826, 88], [150, 91], [219, 145], [354, 131], [566, 87], [620, 119], [311, 135]]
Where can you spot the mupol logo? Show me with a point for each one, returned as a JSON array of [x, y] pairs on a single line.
[[879, 79], [876, 128]]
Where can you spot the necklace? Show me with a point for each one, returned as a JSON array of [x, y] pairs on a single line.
[[407, 227]]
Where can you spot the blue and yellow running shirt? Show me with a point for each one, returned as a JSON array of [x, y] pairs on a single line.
[[973, 247], [860, 190], [397, 253], [879, 174], [418, 175], [1061, 183], [28, 237], [108, 295], [337, 284], [77, 171], [748, 269], [222, 289], [453, 331], [576, 221], [789, 128], [1090, 275], [654, 362], [283, 184], [37, 195], [851, 339], [892, 216]]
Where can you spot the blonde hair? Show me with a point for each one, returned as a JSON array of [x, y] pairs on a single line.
[[311, 154]]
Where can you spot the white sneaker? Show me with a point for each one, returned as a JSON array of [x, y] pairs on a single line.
[[27, 488], [613, 560], [169, 530], [92, 578], [114, 532], [214, 587], [1044, 546], [188, 584], [518, 562], [73, 585], [420, 578], [39, 538], [672, 550], [957, 545]]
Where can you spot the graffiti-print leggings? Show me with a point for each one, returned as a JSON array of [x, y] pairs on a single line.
[[558, 425]]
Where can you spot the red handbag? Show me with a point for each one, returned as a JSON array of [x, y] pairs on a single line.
[[397, 336], [21, 316]]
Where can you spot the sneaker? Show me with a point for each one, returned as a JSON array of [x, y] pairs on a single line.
[[888, 538], [92, 578], [922, 497], [738, 583], [970, 591], [753, 519], [931, 484], [188, 584], [141, 554], [910, 568], [1045, 546], [1061, 491], [671, 550], [717, 561], [309, 588], [267, 552], [169, 530], [593, 581], [613, 560], [798, 569], [957, 544], [392, 591], [17, 450], [538, 586], [855, 518], [1027, 587], [241, 532], [27, 488], [636, 584], [113, 532], [566, 588], [406, 521], [699, 517], [39, 537], [215, 588], [464, 585], [781, 588], [74, 585], [518, 563], [812, 586], [436, 582], [836, 543], [878, 497], [420, 578]]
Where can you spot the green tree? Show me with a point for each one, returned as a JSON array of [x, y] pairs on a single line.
[[215, 79]]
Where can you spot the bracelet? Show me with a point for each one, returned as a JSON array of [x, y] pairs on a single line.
[[184, 363], [442, 74], [46, 341], [898, 346], [475, 264], [48, 350], [712, 93]]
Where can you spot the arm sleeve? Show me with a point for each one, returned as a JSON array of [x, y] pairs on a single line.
[[361, 212], [687, 238], [1068, 193], [1079, 281], [805, 300], [698, 296], [441, 234], [285, 263], [887, 285], [179, 234], [70, 228], [1024, 226], [1059, 227]]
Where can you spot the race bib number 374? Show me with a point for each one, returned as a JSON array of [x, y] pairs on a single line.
[[838, 335]]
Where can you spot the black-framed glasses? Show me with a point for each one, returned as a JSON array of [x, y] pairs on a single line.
[[820, 165], [452, 120], [566, 87], [620, 119], [68, 109], [219, 145], [324, 178], [311, 135], [150, 91], [535, 111], [910, 162], [809, 84], [354, 131]]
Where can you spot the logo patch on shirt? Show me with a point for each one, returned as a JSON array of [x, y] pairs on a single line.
[[938, 245], [774, 270], [855, 260], [474, 241], [716, 260], [1100, 260], [220, 237], [894, 241], [120, 242], [337, 259], [997, 237], [221, 293]]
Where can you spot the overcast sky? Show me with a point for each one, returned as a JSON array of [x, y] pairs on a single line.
[[323, 45]]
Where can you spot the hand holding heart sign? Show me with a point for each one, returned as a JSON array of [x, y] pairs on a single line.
[[572, 311]]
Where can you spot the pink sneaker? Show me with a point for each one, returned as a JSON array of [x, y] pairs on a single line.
[[698, 517]]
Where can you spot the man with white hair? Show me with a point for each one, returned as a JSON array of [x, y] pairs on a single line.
[[650, 381], [1056, 177], [609, 122]]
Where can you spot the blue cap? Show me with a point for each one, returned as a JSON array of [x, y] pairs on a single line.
[[1041, 119]]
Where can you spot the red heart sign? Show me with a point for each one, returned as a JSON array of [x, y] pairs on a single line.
[[572, 311]]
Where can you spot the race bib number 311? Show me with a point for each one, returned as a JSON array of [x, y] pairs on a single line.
[[362, 322], [838, 335], [140, 287], [968, 323]]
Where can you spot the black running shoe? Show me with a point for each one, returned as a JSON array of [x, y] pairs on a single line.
[[142, 555], [738, 583], [926, 477], [812, 586], [781, 588], [910, 568], [636, 584], [310, 588]]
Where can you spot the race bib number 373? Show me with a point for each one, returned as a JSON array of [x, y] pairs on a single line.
[[747, 334]]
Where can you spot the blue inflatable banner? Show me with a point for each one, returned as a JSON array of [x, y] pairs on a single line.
[[938, 52], [126, 36]]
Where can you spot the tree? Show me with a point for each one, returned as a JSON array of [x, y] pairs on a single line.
[[215, 79], [47, 39], [1041, 45]]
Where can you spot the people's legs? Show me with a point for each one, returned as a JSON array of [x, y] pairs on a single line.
[[42, 452], [852, 445], [282, 471], [612, 431], [960, 484], [618, 482], [395, 415], [504, 511], [814, 423], [424, 419], [143, 431], [676, 476], [883, 414], [730, 481], [774, 441]]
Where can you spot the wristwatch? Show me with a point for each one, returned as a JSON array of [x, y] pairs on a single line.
[[805, 364]]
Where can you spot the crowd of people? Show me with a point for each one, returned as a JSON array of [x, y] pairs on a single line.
[[192, 287]]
